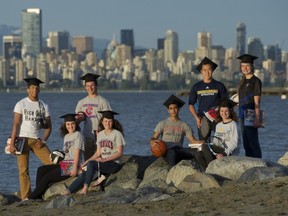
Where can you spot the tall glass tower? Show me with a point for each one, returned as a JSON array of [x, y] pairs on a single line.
[[241, 38], [171, 47], [31, 32], [127, 38]]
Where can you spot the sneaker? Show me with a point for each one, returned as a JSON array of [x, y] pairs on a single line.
[[98, 181]]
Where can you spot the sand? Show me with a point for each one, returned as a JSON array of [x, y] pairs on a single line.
[[267, 197]]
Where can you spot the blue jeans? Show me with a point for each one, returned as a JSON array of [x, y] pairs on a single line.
[[250, 141], [87, 177]]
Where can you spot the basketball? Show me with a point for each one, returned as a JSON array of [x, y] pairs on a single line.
[[159, 149], [56, 156]]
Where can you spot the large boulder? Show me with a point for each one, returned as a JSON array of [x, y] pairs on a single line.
[[155, 175], [178, 172], [197, 182], [232, 167], [283, 160]]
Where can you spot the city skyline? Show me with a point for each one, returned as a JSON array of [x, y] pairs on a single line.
[[150, 20]]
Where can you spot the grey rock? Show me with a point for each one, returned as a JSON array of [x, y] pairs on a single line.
[[197, 182], [284, 159], [177, 173], [232, 167], [61, 202]]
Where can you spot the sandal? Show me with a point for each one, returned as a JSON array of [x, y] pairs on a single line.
[[98, 181]]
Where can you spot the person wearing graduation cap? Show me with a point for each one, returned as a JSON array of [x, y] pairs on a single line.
[[88, 108], [249, 92], [226, 139], [105, 161], [30, 116], [204, 96], [172, 131], [73, 149]]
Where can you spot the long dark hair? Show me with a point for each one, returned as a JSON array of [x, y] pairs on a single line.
[[64, 131], [243, 77], [116, 125], [232, 115]]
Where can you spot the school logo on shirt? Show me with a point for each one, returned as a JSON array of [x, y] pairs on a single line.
[[207, 92], [89, 109]]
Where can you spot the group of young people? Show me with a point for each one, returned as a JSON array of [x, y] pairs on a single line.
[[218, 136], [96, 149]]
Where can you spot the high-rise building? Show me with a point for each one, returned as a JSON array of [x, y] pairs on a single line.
[[127, 38], [256, 48], [171, 47], [58, 41], [204, 40], [12, 46], [31, 32], [83, 44], [241, 38], [160, 43]]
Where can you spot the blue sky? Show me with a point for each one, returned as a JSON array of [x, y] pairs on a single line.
[[150, 19]]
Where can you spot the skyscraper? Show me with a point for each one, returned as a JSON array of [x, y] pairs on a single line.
[[12, 46], [204, 40], [83, 44], [256, 48], [241, 38], [171, 47], [127, 38], [58, 40], [31, 32]]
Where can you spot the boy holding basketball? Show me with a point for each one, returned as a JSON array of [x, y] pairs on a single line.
[[172, 131]]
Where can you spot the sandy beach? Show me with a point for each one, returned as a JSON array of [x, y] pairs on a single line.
[[267, 197]]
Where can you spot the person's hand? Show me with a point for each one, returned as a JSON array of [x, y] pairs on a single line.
[[153, 142], [198, 122], [256, 123], [218, 156], [40, 143], [12, 149], [73, 172]]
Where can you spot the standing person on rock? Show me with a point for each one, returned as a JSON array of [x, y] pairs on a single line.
[[204, 96], [30, 116], [87, 110], [249, 92]]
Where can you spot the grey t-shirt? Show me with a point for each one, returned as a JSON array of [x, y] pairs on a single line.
[[173, 132]]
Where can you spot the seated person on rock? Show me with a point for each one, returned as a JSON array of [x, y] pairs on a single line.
[[110, 144], [172, 131], [226, 139], [73, 147]]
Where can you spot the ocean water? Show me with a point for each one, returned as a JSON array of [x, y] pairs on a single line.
[[139, 114]]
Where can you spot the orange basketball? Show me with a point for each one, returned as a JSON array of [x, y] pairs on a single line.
[[159, 149]]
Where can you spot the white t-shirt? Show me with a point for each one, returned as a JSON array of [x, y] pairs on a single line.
[[31, 112], [109, 143], [72, 142], [91, 106]]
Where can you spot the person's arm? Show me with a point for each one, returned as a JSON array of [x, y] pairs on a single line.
[[16, 125], [113, 157], [194, 113], [154, 138], [96, 155], [74, 171], [257, 111], [232, 144], [193, 140]]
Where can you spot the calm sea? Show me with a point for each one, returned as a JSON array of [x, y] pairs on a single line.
[[139, 114]]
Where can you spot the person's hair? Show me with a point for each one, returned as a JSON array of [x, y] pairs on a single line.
[[116, 125], [243, 77], [64, 131], [232, 115]]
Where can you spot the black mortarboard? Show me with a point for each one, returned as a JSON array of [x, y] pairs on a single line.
[[90, 77], [207, 61], [109, 114], [174, 100], [246, 58], [33, 81], [227, 103], [69, 117]]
